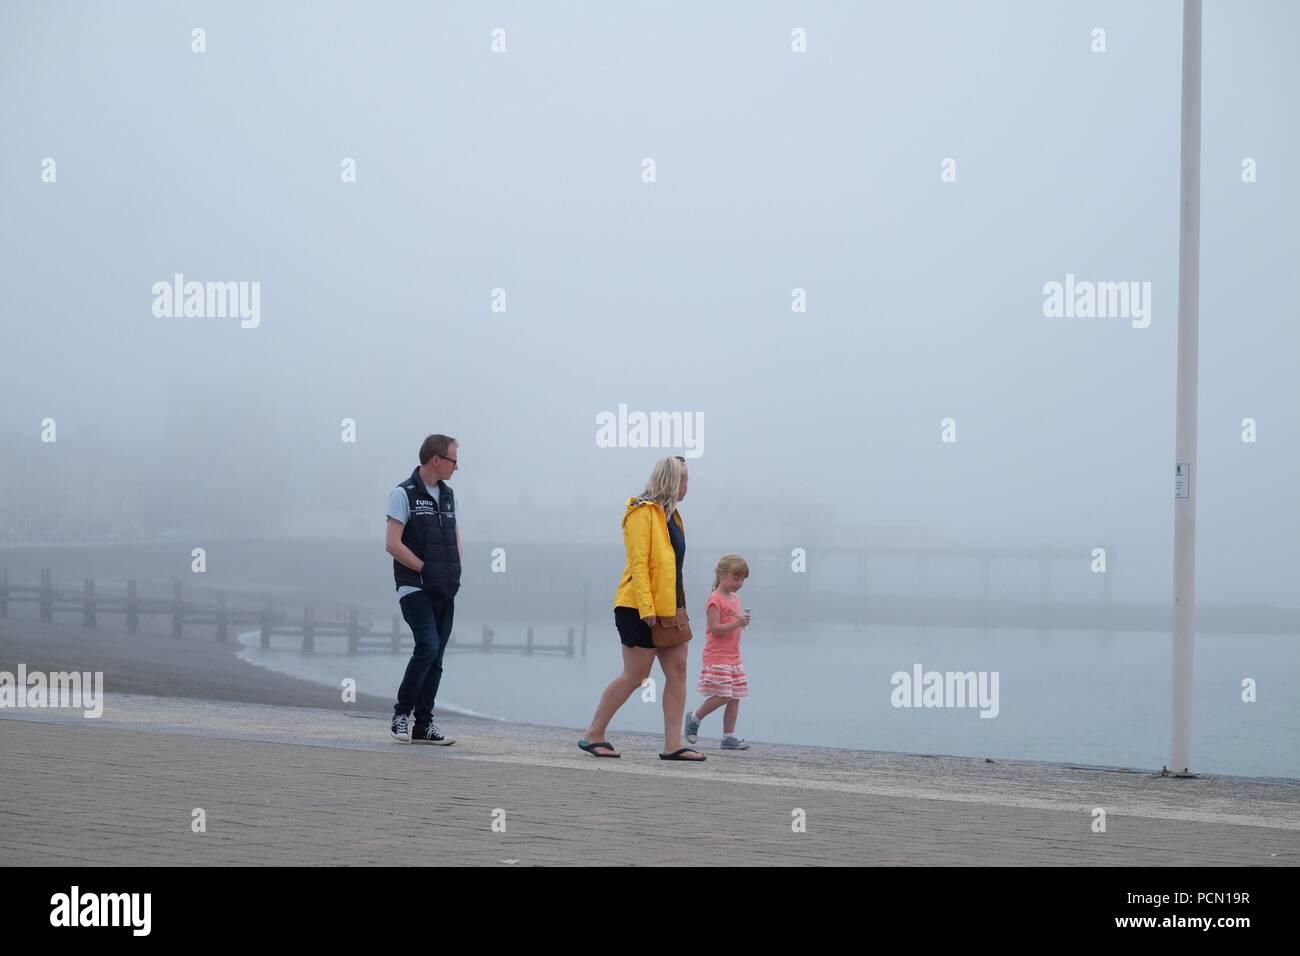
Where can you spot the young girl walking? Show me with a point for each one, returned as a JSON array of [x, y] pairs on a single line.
[[722, 677]]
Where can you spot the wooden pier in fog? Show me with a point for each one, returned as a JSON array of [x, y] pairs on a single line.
[[921, 607], [865, 585], [253, 612]]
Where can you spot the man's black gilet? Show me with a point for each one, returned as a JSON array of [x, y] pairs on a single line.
[[430, 532]]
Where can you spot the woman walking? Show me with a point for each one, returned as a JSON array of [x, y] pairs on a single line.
[[650, 589]]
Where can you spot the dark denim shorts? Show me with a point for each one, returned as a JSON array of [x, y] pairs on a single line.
[[632, 631]]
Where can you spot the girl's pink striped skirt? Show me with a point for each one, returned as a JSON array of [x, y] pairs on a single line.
[[723, 680]]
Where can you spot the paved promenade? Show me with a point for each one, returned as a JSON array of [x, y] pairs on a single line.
[[283, 785]]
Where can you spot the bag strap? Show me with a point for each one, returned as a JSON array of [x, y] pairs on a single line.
[[681, 592]]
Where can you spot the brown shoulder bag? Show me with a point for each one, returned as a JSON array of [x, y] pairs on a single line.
[[666, 632]]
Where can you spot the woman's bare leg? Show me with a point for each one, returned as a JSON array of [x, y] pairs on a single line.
[[673, 661], [637, 662]]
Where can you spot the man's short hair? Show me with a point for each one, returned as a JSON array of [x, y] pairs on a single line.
[[436, 445]]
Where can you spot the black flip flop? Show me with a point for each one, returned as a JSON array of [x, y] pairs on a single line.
[[677, 755], [594, 749]]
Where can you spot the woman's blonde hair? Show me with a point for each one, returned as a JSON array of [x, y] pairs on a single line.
[[729, 564], [664, 482]]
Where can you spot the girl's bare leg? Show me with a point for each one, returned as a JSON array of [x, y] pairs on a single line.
[[729, 716], [709, 706]]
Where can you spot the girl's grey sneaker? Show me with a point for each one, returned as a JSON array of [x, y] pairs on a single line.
[[732, 742], [400, 730], [691, 729], [429, 734]]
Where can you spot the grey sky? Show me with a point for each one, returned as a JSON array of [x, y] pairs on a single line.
[[775, 170]]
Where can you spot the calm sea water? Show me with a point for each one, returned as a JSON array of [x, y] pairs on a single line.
[[1073, 696]]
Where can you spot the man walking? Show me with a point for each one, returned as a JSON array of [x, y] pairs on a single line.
[[425, 544]]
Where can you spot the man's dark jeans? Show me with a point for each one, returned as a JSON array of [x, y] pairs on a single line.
[[429, 619]]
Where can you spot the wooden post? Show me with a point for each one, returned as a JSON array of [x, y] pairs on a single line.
[[88, 603], [266, 620], [354, 634], [178, 609], [308, 629], [47, 596], [1110, 620], [487, 638], [863, 606], [529, 644], [132, 606], [223, 619], [568, 651], [1044, 594], [923, 587], [586, 588], [985, 563], [397, 634]]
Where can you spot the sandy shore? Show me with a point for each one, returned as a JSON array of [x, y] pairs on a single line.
[[151, 662]]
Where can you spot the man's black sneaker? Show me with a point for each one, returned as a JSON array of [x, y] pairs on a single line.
[[429, 734], [400, 729]]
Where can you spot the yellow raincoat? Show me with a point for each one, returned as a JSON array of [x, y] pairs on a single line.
[[649, 582]]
